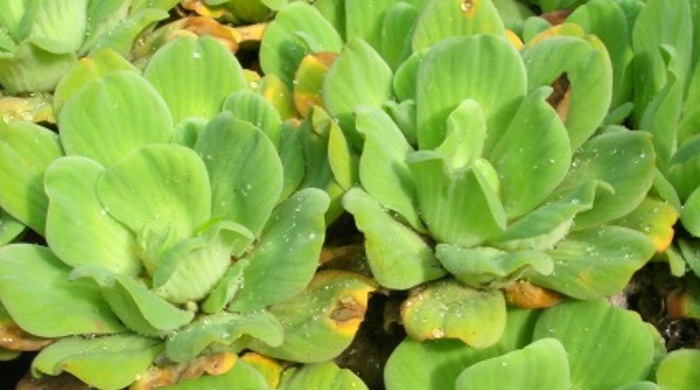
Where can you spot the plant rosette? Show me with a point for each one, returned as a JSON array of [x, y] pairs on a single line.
[[171, 243]]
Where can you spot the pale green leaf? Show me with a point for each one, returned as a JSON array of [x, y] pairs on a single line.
[[253, 108], [327, 376], [678, 371]]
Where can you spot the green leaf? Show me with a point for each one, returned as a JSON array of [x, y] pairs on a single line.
[[691, 213], [450, 201], [406, 76], [244, 170], [359, 76], [532, 157], [678, 371], [655, 218], [542, 228], [496, 80], [10, 228], [484, 266], [122, 106], [366, 21], [465, 136], [32, 69], [436, 364], [448, 309], [588, 72], [122, 35], [514, 13], [253, 108], [398, 257], [625, 161], [343, 160], [89, 69], [161, 192], [606, 347], [383, 171], [684, 169], [108, 363], [292, 157], [223, 329], [285, 258], [660, 24], [26, 271], [78, 228], [283, 47], [59, 26], [442, 19], [26, 150], [226, 288], [541, 365], [330, 309], [242, 376], [194, 76], [189, 270], [639, 386], [396, 33], [326, 376], [138, 307], [596, 262]]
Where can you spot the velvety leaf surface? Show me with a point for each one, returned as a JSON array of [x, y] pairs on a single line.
[[122, 35], [242, 376], [596, 262], [86, 70], [532, 157], [541, 365], [330, 309], [108, 363], [606, 346], [450, 201], [194, 76], [58, 26], [406, 76], [33, 69], [624, 160], [78, 229], [483, 266], [383, 171], [365, 21], [466, 133], [26, 270], [655, 218], [396, 34], [448, 309], [222, 329], [442, 19], [226, 288], [122, 106], [588, 81], [298, 29], [678, 371], [253, 108], [26, 150], [342, 158], [244, 170], [436, 364], [285, 258], [161, 192], [321, 376], [485, 68], [189, 270], [398, 257], [359, 76]]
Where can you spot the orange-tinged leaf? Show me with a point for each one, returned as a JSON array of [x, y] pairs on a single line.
[[514, 39], [529, 296], [270, 368], [655, 219], [157, 376], [308, 81]]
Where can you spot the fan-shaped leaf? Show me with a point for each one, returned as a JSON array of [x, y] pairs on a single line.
[[253, 108]]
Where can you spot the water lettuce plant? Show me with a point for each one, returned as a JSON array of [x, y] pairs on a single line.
[[172, 240]]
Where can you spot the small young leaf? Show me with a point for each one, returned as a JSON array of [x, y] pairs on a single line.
[[465, 136], [109, 363]]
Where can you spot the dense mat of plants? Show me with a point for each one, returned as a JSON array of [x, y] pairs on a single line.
[[399, 194]]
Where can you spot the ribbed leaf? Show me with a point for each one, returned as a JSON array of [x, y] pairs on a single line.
[[253, 108], [285, 258], [244, 170], [397, 30], [59, 26], [78, 228], [398, 257], [691, 213], [465, 136], [365, 21], [326, 376], [485, 68], [32, 69], [194, 76], [108, 363], [25, 271], [121, 106], [26, 150]]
